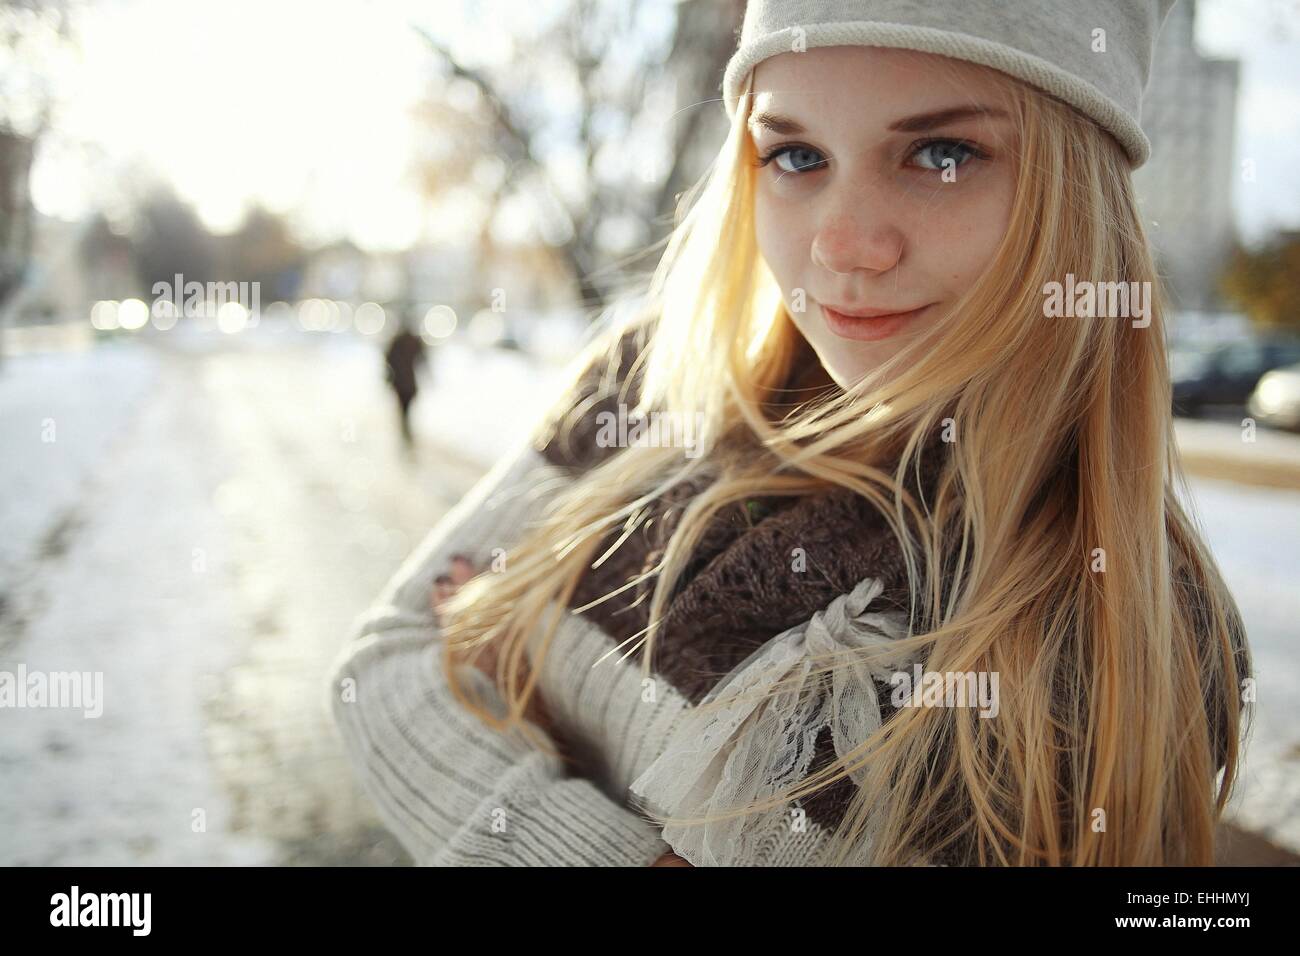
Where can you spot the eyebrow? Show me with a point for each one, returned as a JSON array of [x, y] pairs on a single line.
[[784, 126]]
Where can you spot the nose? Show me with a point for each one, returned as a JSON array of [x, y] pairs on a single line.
[[853, 237]]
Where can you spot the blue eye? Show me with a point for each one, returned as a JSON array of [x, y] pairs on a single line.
[[941, 153], [802, 160], [934, 154]]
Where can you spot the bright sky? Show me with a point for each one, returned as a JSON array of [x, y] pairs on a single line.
[[305, 106], [299, 106]]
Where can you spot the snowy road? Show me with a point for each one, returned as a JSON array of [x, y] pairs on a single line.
[[202, 523], [201, 526]]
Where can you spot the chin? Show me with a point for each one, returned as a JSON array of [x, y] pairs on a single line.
[[846, 366]]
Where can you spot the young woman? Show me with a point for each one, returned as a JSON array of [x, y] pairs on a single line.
[[856, 312]]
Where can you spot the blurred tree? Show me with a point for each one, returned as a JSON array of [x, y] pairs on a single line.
[[31, 34], [1265, 283], [264, 250], [15, 213], [169, 239], [601, 119], [103, 255]]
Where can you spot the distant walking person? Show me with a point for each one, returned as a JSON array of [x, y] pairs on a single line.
[[404, 353]]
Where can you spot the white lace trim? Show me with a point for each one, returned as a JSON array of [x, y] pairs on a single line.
[[762, 742]]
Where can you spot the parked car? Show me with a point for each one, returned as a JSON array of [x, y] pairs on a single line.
[[1228, 374], [1276, 399]]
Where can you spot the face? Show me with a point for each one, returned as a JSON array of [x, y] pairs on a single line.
[[884, 186]]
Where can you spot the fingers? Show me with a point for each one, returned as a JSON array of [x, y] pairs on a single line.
[[443, 588], [446, 584], [670, 859], [462, 569]]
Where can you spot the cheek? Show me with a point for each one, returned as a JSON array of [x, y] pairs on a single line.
[[959, 245], [780, 232], [765, 230], [991, 224]]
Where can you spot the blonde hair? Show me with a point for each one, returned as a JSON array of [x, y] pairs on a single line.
[[1120, 690]]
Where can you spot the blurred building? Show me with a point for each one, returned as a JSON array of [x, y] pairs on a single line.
[[334, 271], [1189, 114], [73, 264]]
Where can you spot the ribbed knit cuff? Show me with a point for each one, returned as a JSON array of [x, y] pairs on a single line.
[[533, 819]]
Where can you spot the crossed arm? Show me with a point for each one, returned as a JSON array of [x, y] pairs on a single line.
[[451, 789], [460, 570]]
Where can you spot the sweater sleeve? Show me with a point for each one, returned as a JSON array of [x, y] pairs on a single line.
[[454, 791]]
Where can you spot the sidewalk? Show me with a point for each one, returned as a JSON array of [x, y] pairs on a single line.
[[1213, 449]]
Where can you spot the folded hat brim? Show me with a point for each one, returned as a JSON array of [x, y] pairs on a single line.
[[1049, 78]]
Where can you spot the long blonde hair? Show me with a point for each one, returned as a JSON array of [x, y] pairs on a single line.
[[1120, 689]]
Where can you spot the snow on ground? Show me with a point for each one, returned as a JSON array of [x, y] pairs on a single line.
[[1255, 536], [209, 519], [119, 597], [60, 412]]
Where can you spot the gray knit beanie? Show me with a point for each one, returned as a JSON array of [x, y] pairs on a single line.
[[1054, 45]]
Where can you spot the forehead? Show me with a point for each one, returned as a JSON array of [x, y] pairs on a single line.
[[866, 79]]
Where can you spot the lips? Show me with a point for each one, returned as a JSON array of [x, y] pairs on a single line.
[[867, 313], [868, 325]]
